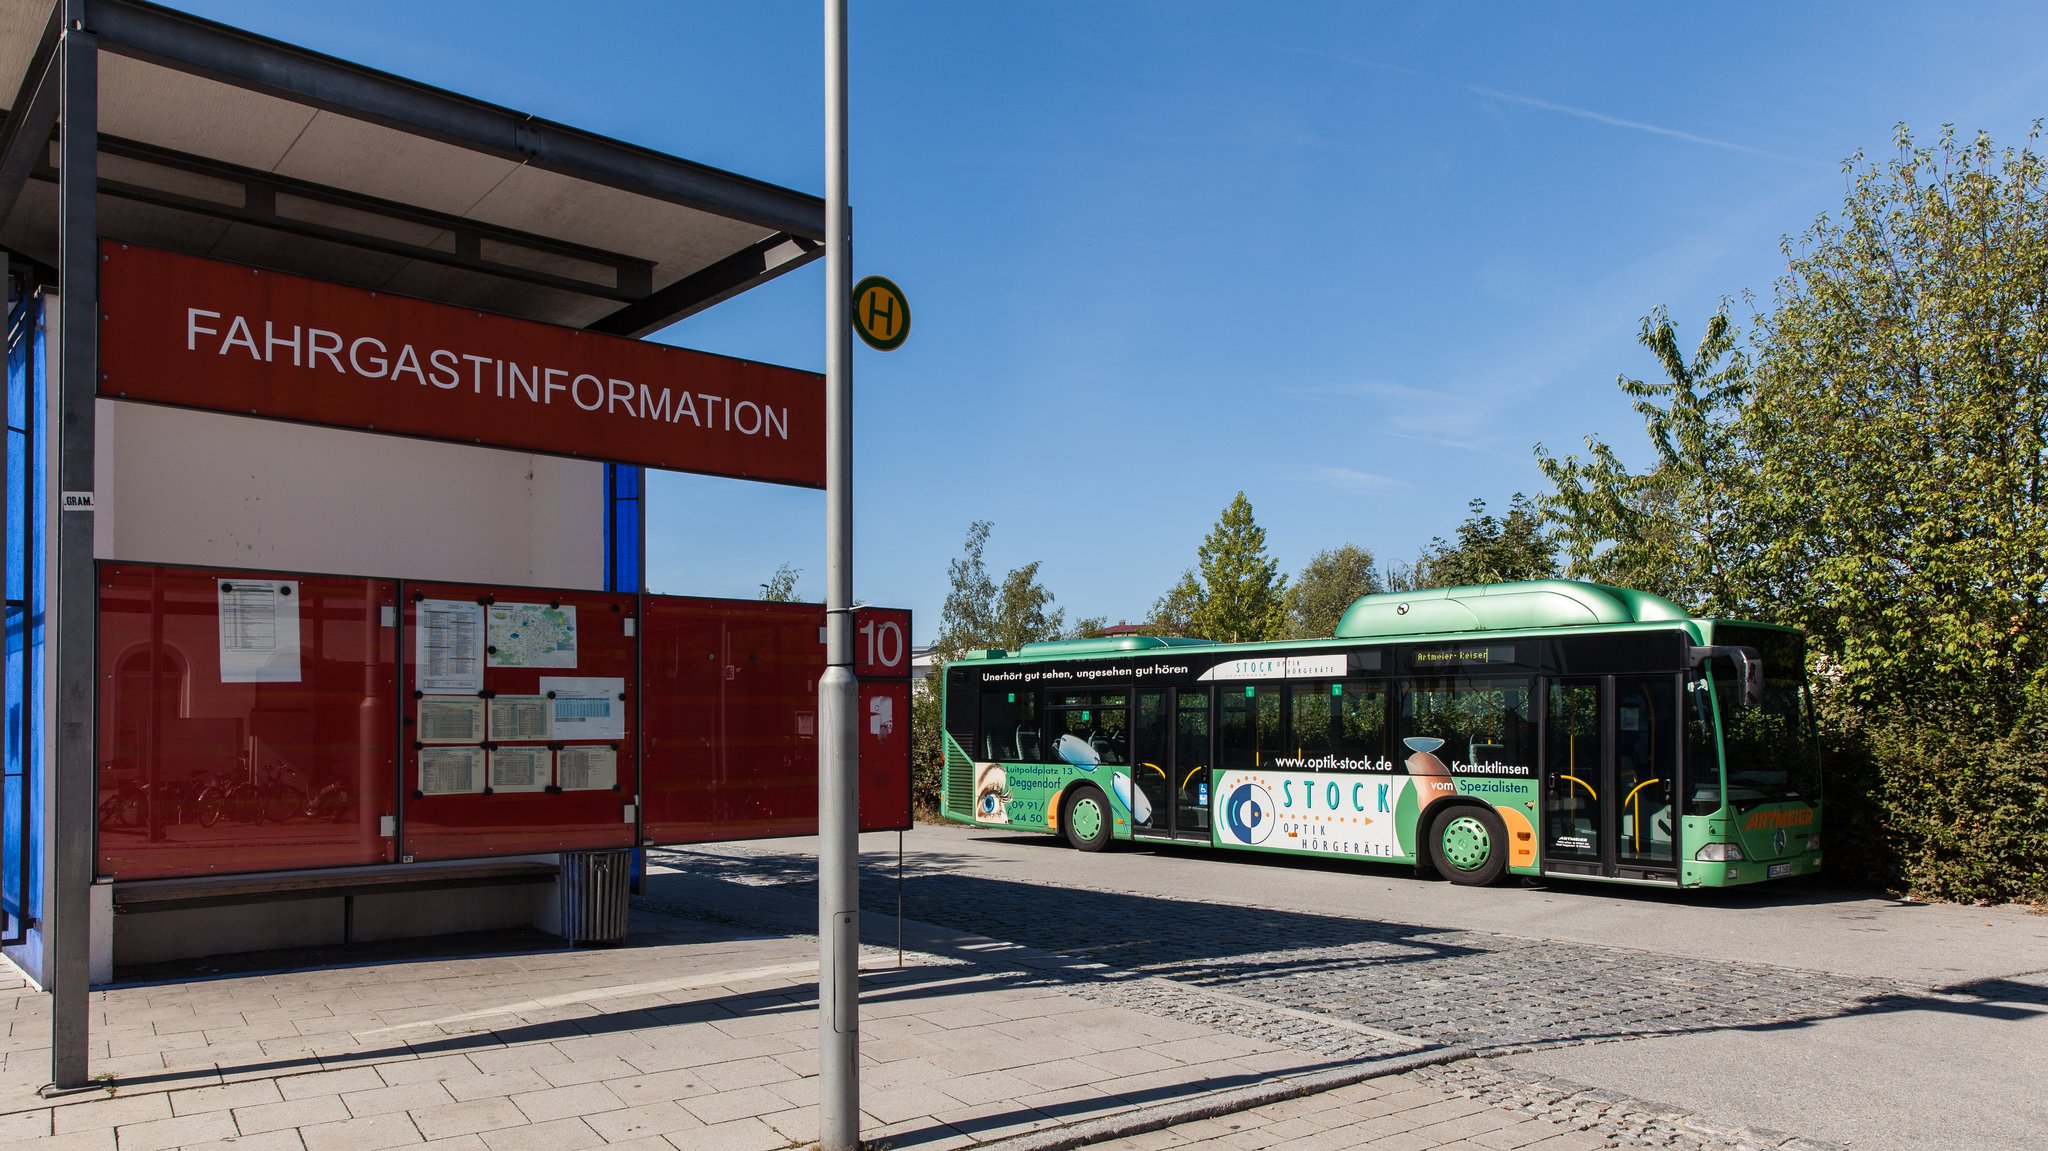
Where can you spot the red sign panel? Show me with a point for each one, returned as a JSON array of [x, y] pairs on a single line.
[[200, 333], [881, 643], [245, 721]]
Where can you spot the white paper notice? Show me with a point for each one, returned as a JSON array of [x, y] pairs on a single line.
[[588, 768], [521, 768], [517, 717], [450, 719], [448, 645], [532, 635], [259, 631], [451, 770], [586, 707]]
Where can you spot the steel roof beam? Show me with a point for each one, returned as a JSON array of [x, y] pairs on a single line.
[[189, 44], [25, 141], [632, 276], [717, 282]]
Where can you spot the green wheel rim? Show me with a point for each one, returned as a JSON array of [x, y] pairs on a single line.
[[1086, 817], [1466, 843]]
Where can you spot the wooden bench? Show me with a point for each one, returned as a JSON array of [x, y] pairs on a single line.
[[138, 896]]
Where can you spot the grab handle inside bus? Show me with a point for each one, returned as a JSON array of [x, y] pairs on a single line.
[[1749, 669]]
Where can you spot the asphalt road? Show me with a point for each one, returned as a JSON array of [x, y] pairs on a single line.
[[1858, 1021]]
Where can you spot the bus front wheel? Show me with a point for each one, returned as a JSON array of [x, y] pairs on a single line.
[[1085, 819], [1469, 845]]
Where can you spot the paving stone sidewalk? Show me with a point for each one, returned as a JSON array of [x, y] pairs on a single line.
[[701, 1034]]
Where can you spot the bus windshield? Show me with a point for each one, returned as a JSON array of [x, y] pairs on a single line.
[[1770, 748]]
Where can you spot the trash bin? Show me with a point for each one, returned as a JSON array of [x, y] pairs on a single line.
[[594, 896]]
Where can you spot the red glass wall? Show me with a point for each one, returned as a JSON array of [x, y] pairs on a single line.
[[732, 723], [254, 721], [243, 730], [522, 660]]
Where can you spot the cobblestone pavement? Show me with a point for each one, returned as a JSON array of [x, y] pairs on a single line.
[[1352, 988], [1490, 993], [1456, 1108]]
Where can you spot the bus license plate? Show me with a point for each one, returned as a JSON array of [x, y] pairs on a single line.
[[1777, 871]]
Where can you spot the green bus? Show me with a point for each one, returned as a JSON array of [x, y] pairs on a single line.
[[1548, 728]]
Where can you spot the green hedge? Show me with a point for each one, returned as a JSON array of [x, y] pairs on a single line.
[[1937, 812]]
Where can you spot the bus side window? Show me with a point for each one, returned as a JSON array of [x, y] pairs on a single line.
[[1249, 727], [1362, 722], [1009, 725], [1702, 754], [1311, 710]]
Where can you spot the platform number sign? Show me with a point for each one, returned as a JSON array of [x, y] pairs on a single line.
[[880, 313], [882, 643]]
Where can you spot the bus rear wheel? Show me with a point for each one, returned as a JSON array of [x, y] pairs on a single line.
[[1469, 845], [1085, 819]]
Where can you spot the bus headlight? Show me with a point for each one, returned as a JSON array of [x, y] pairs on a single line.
[[1813, 843], [1719, 853]]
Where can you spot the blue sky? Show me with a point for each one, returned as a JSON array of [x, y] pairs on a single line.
[[1352, 259]]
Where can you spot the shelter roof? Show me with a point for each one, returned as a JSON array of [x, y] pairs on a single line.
[[221, 143]]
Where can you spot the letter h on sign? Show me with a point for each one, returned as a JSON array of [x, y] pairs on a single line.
[[881, 314]]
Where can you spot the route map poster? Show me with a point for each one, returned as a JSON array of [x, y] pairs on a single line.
[[531, 635]]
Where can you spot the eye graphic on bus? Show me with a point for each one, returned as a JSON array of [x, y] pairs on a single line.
[[991, 794], [1248, 813], [1076, 751]]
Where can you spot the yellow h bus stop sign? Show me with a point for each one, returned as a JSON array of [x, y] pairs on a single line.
[[880, 313]]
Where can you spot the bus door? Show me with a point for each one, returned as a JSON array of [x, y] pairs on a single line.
[[1646, 740], [1170, 773], [1152, 766], [1191, 764], [1610, 760]]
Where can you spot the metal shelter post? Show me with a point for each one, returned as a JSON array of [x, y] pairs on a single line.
[[838, 693], [67, 928]]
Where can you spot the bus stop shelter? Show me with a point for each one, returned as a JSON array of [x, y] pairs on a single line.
[[130, 122]]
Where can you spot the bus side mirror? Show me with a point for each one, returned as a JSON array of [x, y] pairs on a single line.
[[1749, 670], [1750, 666]]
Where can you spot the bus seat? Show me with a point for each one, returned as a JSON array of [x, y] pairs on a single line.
[[1027, 744]]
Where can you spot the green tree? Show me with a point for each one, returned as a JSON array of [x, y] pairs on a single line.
[[781, 587], [967, 619], [1674, 529], [1174, 613], [1024, 611], [1088, 627], [1332, 580], [927, 748], [1489, 549], [1900, 432], [1235, 592], [978, 613]]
